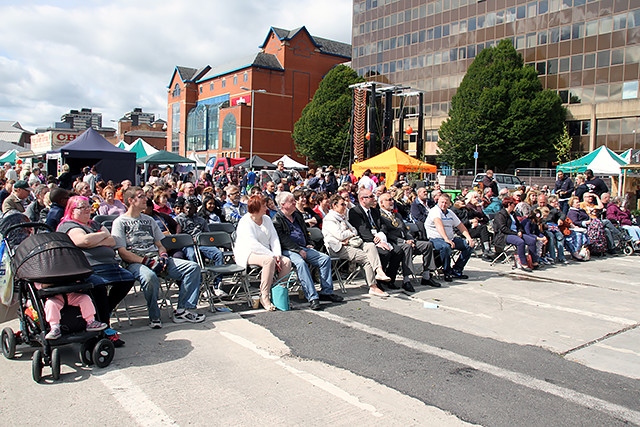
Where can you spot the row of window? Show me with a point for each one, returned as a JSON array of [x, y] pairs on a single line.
[[602, 59], [530, 10], [223, 82], [575, 31]]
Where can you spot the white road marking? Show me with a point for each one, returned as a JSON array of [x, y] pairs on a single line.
[[133, 400], [310, 378], [540, 304], [525, 380]]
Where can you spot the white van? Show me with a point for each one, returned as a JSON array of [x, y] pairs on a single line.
[[504, 180]]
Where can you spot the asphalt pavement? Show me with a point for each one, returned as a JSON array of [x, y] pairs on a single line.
[[558, 346]]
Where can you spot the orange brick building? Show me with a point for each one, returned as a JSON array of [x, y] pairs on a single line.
[[209, 109]]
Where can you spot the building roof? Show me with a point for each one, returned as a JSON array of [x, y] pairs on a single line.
[[186, 73], [260, 60], [326, 46], [146, 134], [8, 145], [12, 126], [269, 61]]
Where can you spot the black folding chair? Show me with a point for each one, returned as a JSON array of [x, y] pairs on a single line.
[[173, 242], [222, 240]]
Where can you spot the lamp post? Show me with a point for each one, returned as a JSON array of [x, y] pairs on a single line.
[[253, 92]]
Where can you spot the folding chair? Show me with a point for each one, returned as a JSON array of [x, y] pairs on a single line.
[[222, 240], [337, 263], [173, 242], [227, 227], [506, 255], [106, 220]]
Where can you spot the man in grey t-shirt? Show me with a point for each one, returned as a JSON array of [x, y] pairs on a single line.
[[139, 236]]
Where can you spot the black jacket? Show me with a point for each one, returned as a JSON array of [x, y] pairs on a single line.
[[395, 233], [281, 224], [502, 227], [359, 220]]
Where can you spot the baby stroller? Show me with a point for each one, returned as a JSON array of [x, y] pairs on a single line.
[[52, 260]]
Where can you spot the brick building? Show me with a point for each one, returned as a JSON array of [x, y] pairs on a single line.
[[138, 124], [210, 111]]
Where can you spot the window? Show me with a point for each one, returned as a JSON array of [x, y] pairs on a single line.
[[542, 38], [175, 127], [589, 61], [471, 24], [617, 56], [554, 35], [229, 132], [176, 90], [630, 90], [591, 29], [522, 12], [552, 66], [531, 40], [224, 83], [245, 77], [211, 86], [606, 25], [543, 7], [532, 9], [576, 63], [603, 59], [577, 31], [619, 22], [200, 89], [213, 118], [564, 65], [540, 67]]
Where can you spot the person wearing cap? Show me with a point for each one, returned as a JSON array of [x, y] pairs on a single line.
[[21, 191]]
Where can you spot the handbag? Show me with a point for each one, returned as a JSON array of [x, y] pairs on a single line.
[[280, 297], [8, 294], [356, 242]]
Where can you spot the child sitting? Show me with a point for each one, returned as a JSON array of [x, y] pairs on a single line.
[[54, 304]]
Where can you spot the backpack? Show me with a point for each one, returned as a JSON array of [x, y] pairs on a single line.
[[597, 238]]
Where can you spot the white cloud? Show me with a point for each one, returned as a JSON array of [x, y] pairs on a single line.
[[112, 56]]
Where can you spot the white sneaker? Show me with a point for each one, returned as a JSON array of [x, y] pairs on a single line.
[[188, 316], [220, 293], [155, 324]]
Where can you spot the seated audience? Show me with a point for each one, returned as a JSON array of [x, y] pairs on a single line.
[[509, 231]]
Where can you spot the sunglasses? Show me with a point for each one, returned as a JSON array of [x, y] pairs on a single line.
[[367, 197]]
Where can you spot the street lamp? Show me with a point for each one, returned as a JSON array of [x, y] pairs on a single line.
[[253, 91]]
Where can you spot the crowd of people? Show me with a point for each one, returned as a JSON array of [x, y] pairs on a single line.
[[377, 225]]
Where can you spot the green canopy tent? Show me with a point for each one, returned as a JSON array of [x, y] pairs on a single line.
[[602, 161], [122, 145], [162, 157], [10, 156], [141, 148]]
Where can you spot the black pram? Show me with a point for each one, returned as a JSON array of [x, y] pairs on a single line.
[[54, 262]]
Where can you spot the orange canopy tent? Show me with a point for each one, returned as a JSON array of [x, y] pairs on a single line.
[[391, 163]]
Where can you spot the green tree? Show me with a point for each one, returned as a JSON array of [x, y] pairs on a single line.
[[322, 132], [501, 106], [563, 146]]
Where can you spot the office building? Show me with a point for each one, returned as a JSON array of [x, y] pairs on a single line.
[[587, 51]]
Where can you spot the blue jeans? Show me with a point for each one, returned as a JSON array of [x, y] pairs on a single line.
[[520, 243], [186, 271], [315, 258], [556, 244], [445, 250], [210, 252]]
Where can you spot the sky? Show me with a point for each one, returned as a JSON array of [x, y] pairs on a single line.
[[113, 56]]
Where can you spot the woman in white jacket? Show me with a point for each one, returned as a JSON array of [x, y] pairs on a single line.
[[337, 232], [257, 243]]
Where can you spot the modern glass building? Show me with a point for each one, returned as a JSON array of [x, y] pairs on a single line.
[[588, 51]]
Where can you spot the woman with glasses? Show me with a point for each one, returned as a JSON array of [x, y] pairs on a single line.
[[338, 232], [99, 247]]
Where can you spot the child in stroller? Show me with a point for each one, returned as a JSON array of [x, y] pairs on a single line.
[[55, 303], [52, 259]]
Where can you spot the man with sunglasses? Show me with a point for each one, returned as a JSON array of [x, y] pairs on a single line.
[[365, 217], [233, 209], [139, 239]]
